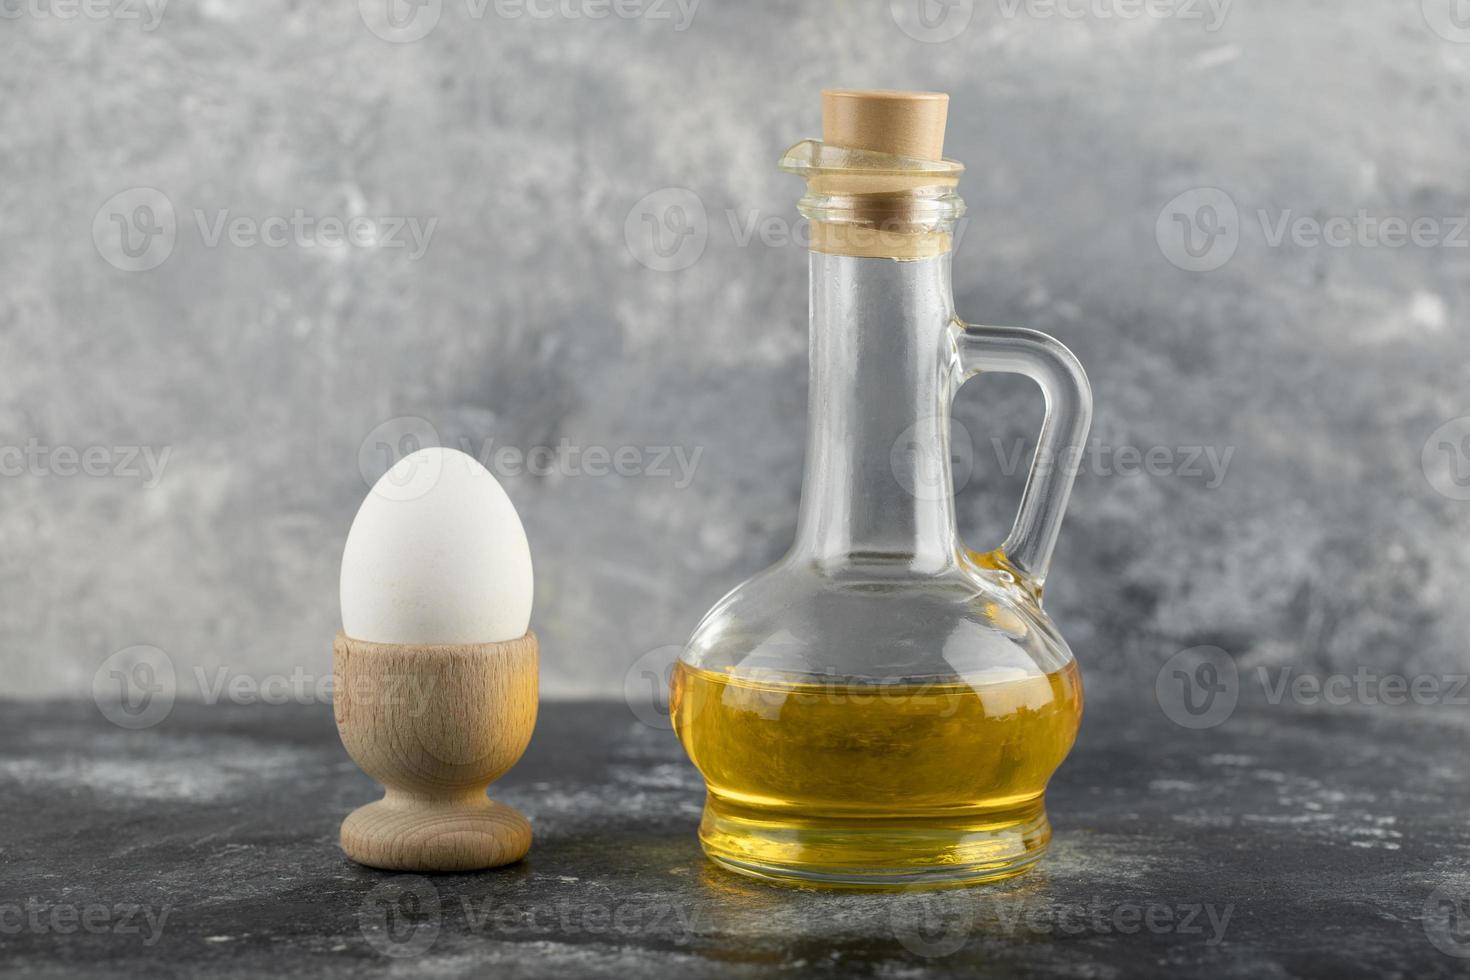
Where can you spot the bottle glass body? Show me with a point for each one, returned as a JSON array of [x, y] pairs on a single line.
[[884, 707]]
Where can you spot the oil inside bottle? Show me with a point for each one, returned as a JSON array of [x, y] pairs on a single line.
[[932, 782]]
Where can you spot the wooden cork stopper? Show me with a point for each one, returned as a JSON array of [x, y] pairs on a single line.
[[906, 124]]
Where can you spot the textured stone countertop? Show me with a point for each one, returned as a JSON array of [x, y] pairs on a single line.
[[1285, 843]]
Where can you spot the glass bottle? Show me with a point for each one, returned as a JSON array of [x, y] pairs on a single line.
[[884, 707]]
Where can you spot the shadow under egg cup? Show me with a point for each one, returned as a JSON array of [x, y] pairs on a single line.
[[436, 725]]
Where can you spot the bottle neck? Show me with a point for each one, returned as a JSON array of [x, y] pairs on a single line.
[[878, 487]]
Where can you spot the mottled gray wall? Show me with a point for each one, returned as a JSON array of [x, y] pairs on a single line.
[[538, 312]]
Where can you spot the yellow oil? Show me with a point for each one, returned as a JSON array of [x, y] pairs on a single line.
[[872, 786]]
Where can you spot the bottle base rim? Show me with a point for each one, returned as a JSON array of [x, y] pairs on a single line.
[[880, 857]]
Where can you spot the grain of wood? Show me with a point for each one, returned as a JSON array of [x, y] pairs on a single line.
[[436, 725]]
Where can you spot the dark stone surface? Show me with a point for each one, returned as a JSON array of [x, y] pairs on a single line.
[[1321, 835]]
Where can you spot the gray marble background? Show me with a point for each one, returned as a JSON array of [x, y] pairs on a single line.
[[263, 379]]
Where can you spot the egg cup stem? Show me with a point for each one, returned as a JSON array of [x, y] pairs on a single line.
[[436, 725]]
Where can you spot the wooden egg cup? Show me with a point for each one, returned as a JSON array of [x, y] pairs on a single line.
[[436, 725]]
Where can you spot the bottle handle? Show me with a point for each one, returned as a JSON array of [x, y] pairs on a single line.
[[1063, 382]]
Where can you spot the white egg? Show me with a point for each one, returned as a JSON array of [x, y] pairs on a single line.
[[436, 554]]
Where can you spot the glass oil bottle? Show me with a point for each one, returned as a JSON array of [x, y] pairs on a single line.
[[884, 707]]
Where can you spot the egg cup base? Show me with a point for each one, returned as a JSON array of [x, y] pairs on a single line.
[[436, 837]]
